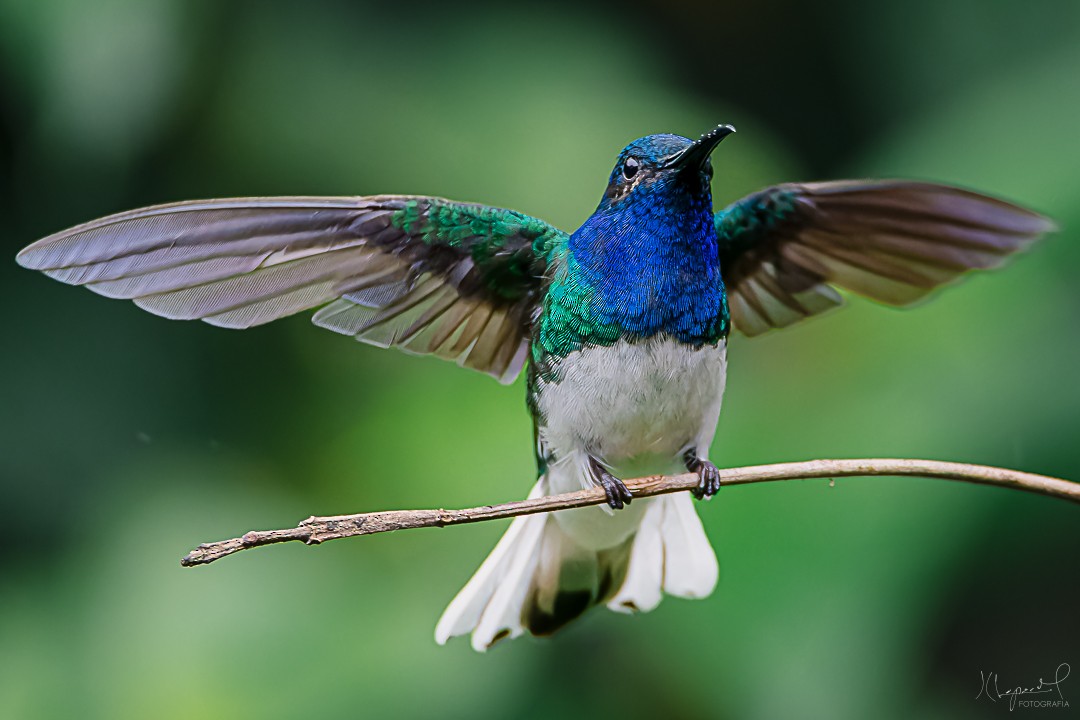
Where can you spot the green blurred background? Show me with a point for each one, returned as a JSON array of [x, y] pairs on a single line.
[[125, 440]]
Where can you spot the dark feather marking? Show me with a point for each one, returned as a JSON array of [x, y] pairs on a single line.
[[569, 605]]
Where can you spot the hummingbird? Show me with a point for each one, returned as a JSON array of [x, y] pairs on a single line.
[[621, 327]]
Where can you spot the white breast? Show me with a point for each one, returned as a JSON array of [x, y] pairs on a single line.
[[635, 406]]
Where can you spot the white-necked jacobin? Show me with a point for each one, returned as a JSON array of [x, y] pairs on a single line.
[[622, 326]]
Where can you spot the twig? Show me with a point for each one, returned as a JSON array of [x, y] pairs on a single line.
[[317, 530]]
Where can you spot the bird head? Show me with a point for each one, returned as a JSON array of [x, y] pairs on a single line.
[[656, 168], [649, 252]]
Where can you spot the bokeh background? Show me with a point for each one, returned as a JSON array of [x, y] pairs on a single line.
[[125, 440]]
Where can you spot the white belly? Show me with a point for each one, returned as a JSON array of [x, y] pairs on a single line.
[[636, 407]]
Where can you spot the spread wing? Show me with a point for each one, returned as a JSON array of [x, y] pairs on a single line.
[[783, 249], [424, 274]]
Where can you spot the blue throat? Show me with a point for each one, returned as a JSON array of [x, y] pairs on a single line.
[[652, 262]]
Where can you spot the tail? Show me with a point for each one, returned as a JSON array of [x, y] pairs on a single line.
[[538, 578]]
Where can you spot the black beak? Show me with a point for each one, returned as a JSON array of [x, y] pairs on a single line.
[[695, 156]]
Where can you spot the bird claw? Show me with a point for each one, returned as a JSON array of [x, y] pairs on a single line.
[[708, 476], [617, 493]]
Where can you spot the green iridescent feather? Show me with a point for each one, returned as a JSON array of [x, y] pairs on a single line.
[[743, 224], [510, 249]]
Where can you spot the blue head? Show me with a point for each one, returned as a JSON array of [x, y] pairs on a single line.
[[668, 170], [649, 251]]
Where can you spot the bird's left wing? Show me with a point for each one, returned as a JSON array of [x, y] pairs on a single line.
[[783, 249], [425, 274]]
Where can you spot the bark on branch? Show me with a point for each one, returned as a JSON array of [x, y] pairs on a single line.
[[317, 530]]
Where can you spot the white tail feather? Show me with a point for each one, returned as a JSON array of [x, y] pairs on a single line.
[[640, 592], [690, 567], [535, 563], [463, 614], [502, 616]]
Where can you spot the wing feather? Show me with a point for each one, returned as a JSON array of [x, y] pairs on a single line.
[[429, 275], [893, 241]]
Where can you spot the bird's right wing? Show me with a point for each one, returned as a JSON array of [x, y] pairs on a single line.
[[425, 274]]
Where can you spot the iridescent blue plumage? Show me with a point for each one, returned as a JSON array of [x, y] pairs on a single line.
[[649, 252], [644, 264]]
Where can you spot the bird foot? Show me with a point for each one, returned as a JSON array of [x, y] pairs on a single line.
[[708, 475], [617, 492]]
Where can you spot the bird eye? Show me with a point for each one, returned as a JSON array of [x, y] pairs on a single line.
[[630, 167]]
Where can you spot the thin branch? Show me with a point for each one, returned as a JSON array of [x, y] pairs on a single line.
[[317, 530]]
